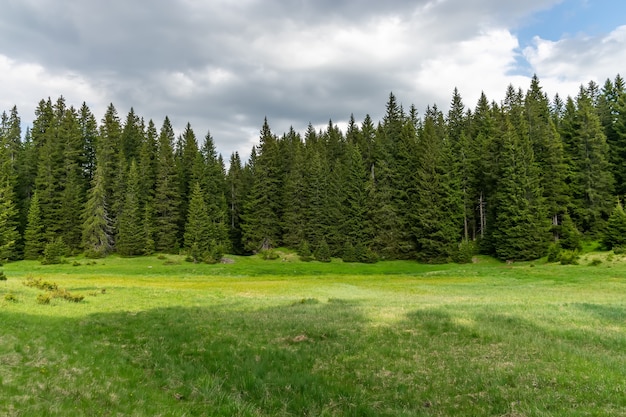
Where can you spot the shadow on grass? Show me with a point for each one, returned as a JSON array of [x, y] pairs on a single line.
[[288, 360]]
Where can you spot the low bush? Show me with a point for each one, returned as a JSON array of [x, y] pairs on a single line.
[[44, 298], [10, 298], [54, 252], [3, 277], [269, 254], [569, 257], [40, 284]]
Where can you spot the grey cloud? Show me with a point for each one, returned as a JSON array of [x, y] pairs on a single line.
[[129, 51]]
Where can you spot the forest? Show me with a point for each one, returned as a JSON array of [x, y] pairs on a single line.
[[517, 180]]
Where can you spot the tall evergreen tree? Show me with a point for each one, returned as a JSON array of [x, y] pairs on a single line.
[[591, 179], [167, 197], [261, 227], [235, 198], [34, 238], [436, 207], [198, 227], [131, 238], [547, 150], [521, 227], [97, 230]]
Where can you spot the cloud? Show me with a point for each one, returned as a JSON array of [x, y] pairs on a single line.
[[223, 66], [566, 64], [25, 84]]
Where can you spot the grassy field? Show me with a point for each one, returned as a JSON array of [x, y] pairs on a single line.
[[162, 337]]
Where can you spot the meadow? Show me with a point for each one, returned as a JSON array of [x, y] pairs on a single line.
[[157, 336]]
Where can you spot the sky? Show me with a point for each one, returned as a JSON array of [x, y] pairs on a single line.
[[223, 66]]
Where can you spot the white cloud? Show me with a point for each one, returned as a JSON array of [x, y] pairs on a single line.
[[24, 84], [564, 65]]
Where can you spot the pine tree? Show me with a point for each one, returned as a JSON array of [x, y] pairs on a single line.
[[436, 206], [34, 238], [50, 181], [591, 179], [261, 227], [614, 235], [548, 151], [198, 227], [521, 227], [354, 226], [235, 199], [295, 200], [130, 238], [8, 224], [9, 213], [167, 198], [97, 231]]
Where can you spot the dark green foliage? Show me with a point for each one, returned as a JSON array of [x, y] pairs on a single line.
[[54, 252], [615, 230], [466, 251], [130, 236], [408, 188], [34, 235], [591, 181], [554, 252], [322, 252], [262, 211], [3, 277], [349, 254], [198, 228], [365, 254], [436, 212], [521, 229], [569, 236], [97, 236], [304, 251], [167, 195]]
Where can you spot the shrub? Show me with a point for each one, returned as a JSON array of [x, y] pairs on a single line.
[[94, 254], [466, 251], [554, 252], [595, 262], [66, 295], [53, 252], [10, 298], [619, 250], [269, 254], [322, 253], [569, 257], [44, 298], [2, 276], [304, 251], [40, 285], [349, 253], [364, 254]]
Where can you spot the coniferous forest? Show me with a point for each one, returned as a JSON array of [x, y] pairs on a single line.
[[515, 179]]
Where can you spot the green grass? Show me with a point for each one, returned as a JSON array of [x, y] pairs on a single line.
[[162, 337]]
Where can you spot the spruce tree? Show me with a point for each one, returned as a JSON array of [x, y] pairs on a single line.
[[34, 238], [547, 150], [591, 180], [130, 237], [261, 227], [521, 228], [436, 204], [97, 231], [198, 227], [614, 235], [167, 198], [235, 198]]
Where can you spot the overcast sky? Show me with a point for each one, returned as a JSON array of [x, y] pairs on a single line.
[[224, 65]]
